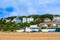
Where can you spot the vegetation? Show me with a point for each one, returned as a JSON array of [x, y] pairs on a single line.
[[11, 26]]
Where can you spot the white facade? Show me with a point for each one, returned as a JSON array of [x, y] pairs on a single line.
[[27, 29], [28, 20], [54, 25], [13, 20], [31, 19], [8, 20], [16, 20], [58, 25], [47, 20], [34, 28], [24, 20], [56, 18]]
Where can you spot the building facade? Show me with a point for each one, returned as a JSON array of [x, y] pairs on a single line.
[[47, 20], [17, 20], [56, 18], [27, 20]]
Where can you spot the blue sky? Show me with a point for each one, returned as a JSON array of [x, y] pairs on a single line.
[[28, 7]]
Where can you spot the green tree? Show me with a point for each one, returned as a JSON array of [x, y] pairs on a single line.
[[25, 24], [47, 16], [38, 20], [35, 16]]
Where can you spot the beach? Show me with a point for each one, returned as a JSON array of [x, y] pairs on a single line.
[[29, 36]]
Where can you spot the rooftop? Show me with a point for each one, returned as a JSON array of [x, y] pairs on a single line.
[[49, 23]]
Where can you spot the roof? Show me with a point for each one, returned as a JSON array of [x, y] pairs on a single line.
[[49, 23]]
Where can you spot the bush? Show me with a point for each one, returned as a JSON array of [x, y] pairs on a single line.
[[40, 30], [43, 27]]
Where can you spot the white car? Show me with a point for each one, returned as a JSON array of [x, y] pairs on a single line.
[[34, 29], [48, 30], [27, 29], [21, 30]]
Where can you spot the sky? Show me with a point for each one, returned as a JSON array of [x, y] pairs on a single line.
[[28, 7]]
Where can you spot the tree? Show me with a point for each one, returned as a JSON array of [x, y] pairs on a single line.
[[1, 26], [47, 16], [35, 16], [38, 20], [32, 23], [25, 24]]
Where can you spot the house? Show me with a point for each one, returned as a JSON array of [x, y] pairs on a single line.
[[27, 19], [56, 18], [24, 19], [6, 20], [47, 20], [34, 28], [30, 19], [27, 29], [49, 24], [16, 20]]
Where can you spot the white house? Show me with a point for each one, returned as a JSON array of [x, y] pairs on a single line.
[[8, 20], [30, 19], [58, 25], [56, 18], [24, 20], [49, 24], [27, 19], [27, 29], [34, 28], [47, 20], [16, 20]]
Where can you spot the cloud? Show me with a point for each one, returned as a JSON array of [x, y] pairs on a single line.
[[28, 7]]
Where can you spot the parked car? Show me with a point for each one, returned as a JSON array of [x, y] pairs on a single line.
[[48, 30], [20, 30], [34, 29], [27, 29]]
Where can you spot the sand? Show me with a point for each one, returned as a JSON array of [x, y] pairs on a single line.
[[29, 36]]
